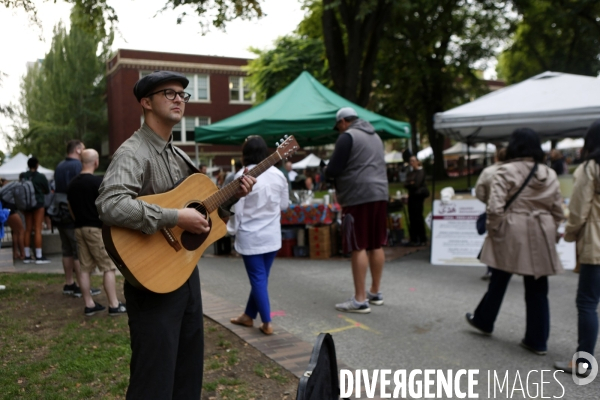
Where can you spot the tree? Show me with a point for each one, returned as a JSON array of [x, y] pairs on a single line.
[[553, 35], [274, 69], [64, 96], [352, 31], [430, 57]]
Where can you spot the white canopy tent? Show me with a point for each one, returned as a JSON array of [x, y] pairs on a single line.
[[556, 105], [425, 154], [310, 161], [461, 149], [568, 144], [393, 157], [11, 169]]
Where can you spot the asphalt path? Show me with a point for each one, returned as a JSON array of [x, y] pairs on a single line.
[[421, 325]]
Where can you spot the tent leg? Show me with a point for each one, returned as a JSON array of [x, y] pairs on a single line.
[[197, 157], [432, 215], [468, 165]]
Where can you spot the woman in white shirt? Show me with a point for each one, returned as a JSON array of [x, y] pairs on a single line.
[[257, 229]]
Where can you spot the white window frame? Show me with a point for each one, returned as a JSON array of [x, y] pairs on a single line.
[[240, 99], [184, 120], [183, 128]]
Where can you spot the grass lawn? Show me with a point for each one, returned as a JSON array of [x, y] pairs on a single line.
[[51, 350]]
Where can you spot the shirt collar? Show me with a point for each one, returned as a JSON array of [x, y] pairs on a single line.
[[154, 138]]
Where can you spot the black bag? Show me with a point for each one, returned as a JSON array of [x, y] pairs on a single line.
[[482, 218], [59, 210], [481, 221], [423, 191], [320, 381]]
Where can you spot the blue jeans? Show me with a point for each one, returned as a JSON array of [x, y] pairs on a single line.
[[258, 267], [537, 308], [588, 296]]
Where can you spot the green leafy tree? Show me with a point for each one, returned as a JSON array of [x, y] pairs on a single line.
[[63, 97], [274, 69], [430, 58], [553, 35]]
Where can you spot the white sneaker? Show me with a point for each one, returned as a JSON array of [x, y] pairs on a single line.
[[375, 299], [42, 260], [354, 307]]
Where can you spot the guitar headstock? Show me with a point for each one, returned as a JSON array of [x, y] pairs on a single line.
[[286, 148]]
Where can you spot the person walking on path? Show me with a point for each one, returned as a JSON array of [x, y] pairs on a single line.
[[166, 329], [35, 217], [82, 193], [417, 193], [358, 167], [65, 171], [256, 225], [523, 214], [583, 227]]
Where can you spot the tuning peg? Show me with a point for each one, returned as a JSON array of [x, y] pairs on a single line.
[[276, 144], [285, 136]]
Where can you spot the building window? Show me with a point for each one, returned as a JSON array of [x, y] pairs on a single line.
[[202, 88], [188, 125], [199, 86], [239, 90]]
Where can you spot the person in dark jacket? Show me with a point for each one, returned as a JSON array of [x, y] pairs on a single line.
[[417, 193], [358, 166]]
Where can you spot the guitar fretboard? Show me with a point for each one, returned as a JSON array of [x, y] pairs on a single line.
[[226, 193]]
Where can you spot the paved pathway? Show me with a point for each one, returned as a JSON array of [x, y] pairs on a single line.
[[421, 325]]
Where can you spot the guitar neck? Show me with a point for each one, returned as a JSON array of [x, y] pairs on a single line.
[[217, 199]]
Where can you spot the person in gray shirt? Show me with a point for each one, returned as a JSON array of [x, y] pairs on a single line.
[[358, 166], [167, 339]]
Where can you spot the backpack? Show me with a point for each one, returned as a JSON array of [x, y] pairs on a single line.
[[7, 195], [24, 195], [59, 210]]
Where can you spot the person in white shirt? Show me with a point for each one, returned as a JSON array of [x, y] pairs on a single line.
[[291, 173], [256, 225]]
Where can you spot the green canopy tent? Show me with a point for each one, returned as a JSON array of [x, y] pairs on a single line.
[[305, 108]]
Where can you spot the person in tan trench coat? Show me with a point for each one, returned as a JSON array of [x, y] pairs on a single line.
[[522, 239], [583, 226]]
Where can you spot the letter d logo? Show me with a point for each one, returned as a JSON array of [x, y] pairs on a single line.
[[591, 365]]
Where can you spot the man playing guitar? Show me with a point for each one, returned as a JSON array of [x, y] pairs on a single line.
[[167, 339]]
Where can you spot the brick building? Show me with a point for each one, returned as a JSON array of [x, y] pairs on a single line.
[[218, 92]]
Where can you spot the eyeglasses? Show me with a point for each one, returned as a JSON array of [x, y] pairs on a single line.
[[170, 94]]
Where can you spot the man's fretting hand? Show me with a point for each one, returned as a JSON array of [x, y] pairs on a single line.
[[192, 221]]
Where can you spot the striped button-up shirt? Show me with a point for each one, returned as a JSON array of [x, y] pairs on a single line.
[[144, 164]]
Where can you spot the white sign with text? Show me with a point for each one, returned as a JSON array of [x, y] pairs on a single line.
[[455, 240]]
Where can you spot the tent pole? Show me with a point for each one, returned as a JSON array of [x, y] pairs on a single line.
[[197, 158], [468, 165], [432, 214]]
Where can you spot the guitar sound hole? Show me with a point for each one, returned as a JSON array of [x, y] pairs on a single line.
[[191, 241]]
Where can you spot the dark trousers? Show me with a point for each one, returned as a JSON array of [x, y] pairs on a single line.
[[258, 267], [588, 297], [537, 327], [167, 342], [415, 216]]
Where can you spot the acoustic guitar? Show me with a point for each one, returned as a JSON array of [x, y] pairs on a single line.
[[163, 262]]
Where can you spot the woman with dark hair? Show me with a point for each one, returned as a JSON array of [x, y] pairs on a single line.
[[583, 227], [256, 225], [523, 214], [35, 216]]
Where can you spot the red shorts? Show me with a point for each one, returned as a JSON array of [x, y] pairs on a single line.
[[364, 226]]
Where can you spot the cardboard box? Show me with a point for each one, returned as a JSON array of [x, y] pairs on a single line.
[[319, 241]]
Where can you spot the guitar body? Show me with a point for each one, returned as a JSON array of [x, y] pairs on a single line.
[[152, 261]]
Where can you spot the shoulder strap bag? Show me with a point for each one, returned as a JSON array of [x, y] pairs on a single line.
[[482, 219]]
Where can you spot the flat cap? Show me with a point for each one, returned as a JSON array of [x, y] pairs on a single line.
[[344, 112], [147, 83]]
